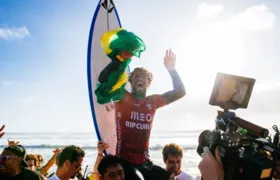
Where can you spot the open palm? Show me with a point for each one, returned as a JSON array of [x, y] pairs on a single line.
[[12, 143], [170, 60]]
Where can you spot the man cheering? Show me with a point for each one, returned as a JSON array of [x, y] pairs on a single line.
[[135, 113]]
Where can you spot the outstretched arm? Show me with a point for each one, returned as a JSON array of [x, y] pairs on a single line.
[[178, 88], [50, 163]]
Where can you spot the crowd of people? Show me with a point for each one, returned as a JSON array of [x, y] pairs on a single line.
[[134, 116], [16, 164]]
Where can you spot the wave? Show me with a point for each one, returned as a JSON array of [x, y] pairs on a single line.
[[156, 147], [93, 137]]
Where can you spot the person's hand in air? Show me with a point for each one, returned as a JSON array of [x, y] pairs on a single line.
[[211, 168], [1, 131], [12, 143], [101, 146], [170, 60], [56, 151]]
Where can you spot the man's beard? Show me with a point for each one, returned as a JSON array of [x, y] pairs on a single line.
[[139, 89]]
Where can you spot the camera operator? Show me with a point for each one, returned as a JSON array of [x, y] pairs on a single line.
[[211, 168]]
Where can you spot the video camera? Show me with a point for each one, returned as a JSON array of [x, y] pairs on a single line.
[[247, 152]]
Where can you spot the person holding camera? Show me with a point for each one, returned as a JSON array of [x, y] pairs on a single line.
[[211, 168]]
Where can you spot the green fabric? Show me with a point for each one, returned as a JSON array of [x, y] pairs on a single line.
[[102, 91], [121, 41], [127, 41]]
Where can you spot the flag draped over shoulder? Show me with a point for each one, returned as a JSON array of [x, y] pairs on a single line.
[[113, 78]]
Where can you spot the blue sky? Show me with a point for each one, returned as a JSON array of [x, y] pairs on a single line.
[[43, 46]]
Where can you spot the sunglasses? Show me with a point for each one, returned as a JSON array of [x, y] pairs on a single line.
[[76, 165], [4, 158]]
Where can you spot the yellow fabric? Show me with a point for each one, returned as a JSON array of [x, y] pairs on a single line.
[[91, 177], [121, 81], [120, 58], [107, 38]]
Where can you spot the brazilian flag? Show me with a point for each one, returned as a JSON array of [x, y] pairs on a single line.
[[114, 78]]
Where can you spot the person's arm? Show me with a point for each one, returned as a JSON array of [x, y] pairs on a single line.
[[50, 163], [178, 88], [101, 147], [96, 175]]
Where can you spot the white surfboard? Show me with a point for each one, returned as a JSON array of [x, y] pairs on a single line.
[[105, 18]]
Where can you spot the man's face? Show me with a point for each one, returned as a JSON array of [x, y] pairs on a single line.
[[73, 169], [8, 160], [31, 165], [140, 81], [173, 164], [114, 173]]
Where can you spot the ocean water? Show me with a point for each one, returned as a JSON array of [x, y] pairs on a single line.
[[45, 143]]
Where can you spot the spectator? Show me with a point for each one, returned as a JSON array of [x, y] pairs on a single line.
[[35, 160], [172, 157], [69, 163], [14, 164], [112, 167]]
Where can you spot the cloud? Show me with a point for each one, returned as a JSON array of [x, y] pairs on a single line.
[[254, 18], [209, 11], [14, 33]]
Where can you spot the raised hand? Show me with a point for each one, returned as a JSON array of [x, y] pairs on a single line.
[[56, 151], [1, 131], [169, 60], [12, 143], [101, 146]]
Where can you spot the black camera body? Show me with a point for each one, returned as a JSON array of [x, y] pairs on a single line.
[[245, 154], [247, 151]]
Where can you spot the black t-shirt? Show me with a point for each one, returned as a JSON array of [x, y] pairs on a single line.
[[27, 174], [4, 177]]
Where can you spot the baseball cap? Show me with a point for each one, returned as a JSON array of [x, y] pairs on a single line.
[[19, 151]]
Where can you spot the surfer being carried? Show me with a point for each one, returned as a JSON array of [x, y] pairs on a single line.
[[135, 113]]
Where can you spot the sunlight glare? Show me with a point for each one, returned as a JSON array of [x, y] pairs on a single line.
[[206, 50]]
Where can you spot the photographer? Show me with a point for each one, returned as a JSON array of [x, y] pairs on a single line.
[[211, 168]]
